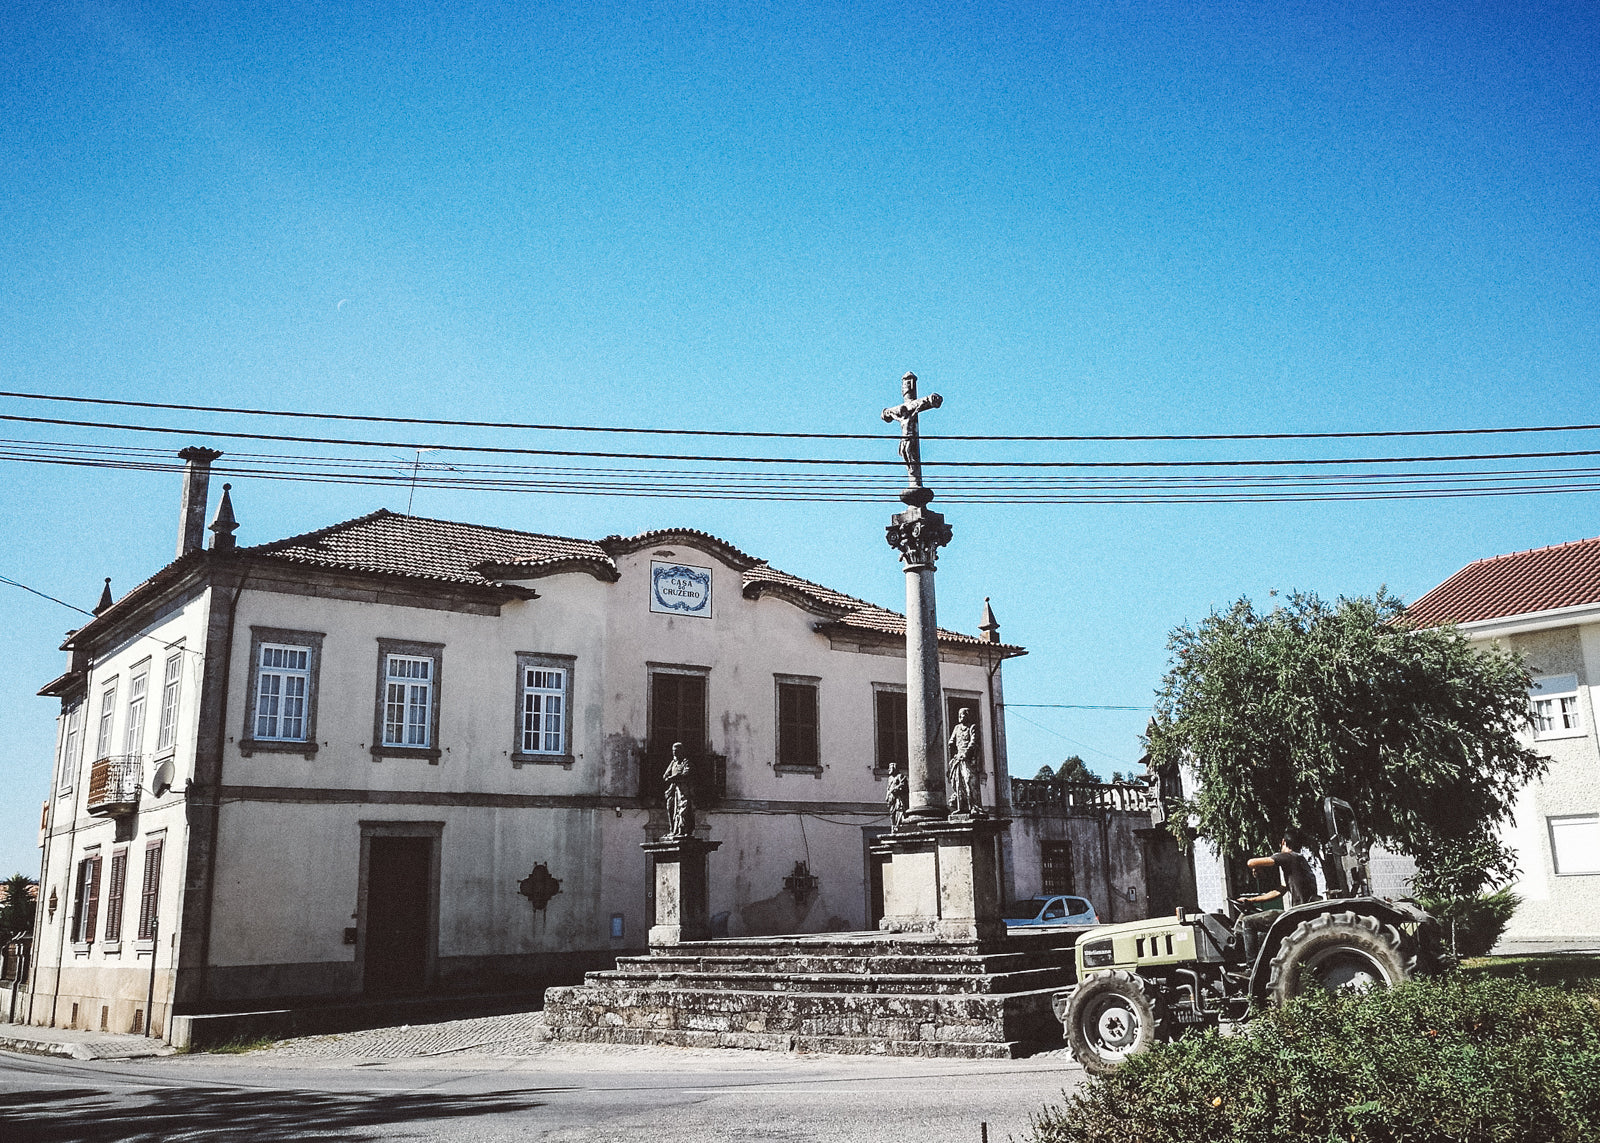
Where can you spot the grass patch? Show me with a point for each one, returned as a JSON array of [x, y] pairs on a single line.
[[1469, 1058], [240, 1046], [1557, 970]]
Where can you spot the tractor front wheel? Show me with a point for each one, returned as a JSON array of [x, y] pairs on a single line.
[[1111, 1016]]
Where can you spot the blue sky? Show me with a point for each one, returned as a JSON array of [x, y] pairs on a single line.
[[1067, 219]]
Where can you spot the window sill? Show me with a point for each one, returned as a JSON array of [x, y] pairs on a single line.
[[519, 760], [814, 771], [431, 753], [111, 947], [81, 948], [249, 746], [144, 948]]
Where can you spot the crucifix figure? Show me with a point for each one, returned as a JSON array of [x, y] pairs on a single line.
[[910, 443]]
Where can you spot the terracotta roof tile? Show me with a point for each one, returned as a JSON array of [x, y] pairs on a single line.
[[1565, 575], [387, 543]]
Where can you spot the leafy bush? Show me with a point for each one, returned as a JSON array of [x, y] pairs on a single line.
[[1460, 1059], [1476, 922]]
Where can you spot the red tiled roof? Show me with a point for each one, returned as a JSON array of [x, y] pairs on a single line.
[[386, 543], [1565, 575]]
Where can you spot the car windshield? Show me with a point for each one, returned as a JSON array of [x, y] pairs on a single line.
[[1025, 910]]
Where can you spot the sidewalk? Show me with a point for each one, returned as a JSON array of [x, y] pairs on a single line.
[[77, 1045]]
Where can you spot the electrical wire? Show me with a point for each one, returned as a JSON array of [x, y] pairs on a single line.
[[858, 462], [754, 434]]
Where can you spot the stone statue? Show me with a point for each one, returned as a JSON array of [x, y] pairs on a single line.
[[680, 802], [906, 414], [897, 798], [963, 772]]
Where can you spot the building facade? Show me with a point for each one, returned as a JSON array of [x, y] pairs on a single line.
[[401, 755], [1545, 605]]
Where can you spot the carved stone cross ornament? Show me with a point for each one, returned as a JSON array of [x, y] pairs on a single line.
[[910, 440]]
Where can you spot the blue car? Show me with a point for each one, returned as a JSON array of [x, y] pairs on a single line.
[[1051, 911]]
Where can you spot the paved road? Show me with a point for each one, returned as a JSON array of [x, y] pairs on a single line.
[[574, 1094]]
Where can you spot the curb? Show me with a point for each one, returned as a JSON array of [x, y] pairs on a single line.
[[82, 1051]]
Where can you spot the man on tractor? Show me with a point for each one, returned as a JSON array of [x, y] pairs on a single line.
[[1297, 882]]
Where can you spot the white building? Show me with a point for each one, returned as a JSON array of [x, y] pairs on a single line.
[[403, 756], [1545, 604]]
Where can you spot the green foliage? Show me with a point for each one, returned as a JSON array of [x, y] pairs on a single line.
[[1473, 924], [1075, 772], [1414, 727], [1468, 1060], [1045, 774], [18, 903]]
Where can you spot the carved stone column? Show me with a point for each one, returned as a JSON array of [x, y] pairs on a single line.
[[918, 533]]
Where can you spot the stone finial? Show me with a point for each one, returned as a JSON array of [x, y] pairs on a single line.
[[990, 625], [224, 526], [105, 598]]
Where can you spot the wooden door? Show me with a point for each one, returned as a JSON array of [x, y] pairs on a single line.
[[399, 914]]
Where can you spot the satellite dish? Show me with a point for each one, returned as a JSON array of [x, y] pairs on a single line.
[[161, 780]]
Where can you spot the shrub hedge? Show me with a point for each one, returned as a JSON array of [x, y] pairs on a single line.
[[1472, 924], [1459, 1059]]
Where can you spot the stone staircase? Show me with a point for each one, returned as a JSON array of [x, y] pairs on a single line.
[[855, 993]]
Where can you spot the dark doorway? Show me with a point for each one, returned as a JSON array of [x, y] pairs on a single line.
[[399, 914], [1055, 869], [678, 714]]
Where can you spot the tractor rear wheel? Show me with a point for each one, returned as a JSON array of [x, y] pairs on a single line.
[[1340, 952], [1111, 1016]]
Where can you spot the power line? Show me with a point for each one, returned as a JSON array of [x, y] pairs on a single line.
[[856, 462], [753, 434], [1066, 706]]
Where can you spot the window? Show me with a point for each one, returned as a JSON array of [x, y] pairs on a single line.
[[408, 699], [150, 893], [1055, 865], [114, 891], [1575, 843], [544, 709], [71, 744], [889, 717], [678, 707], [108, 715], [138, 693], [282, 682], [1555, 707], [797, 724], [171, 683], [281, 704], [87, 900]]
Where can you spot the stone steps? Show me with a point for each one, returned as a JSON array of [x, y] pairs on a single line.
[[869, 981], [868, 994], [927, 1024]]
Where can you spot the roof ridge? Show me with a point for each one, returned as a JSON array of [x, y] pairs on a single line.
[[318, 533], [822, 587], [1532, 551]]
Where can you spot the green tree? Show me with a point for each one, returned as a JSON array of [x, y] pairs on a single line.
[[18, 900], [1075, 772], [1414, 727]]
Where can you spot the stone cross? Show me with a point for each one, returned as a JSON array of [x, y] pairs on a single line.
[[910, 441]]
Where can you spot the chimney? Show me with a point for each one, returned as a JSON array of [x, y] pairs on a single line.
[[196, 477]]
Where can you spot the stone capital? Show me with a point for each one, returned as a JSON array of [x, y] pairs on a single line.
[[917, 534]]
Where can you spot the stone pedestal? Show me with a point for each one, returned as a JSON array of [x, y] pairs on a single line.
[[683, 911], [943, 877]]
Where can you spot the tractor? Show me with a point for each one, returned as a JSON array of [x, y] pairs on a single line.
[[1148, 981]]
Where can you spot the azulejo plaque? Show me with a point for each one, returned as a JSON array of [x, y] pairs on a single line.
[[680, 589]]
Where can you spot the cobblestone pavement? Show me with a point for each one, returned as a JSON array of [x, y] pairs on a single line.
[[520, 1034]]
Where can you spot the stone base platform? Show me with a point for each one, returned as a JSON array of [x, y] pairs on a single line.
[[853, 993]]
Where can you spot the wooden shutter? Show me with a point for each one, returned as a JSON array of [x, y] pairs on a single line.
[[91, 904], [114, 894], [797, 725], [1055, 859], [150, 895], [890, 709]]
